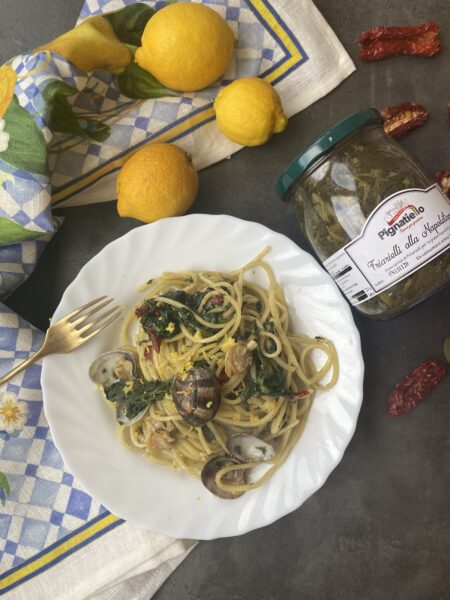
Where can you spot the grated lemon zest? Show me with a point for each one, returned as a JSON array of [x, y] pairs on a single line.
[[197, 335], [227, 344], [128, 387]]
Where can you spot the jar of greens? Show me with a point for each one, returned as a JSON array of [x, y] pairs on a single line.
[[379, 225]]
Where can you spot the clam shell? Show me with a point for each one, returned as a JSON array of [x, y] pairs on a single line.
[[196, 396], [112, 366], [121, 416], [248, 448], [210, 470]]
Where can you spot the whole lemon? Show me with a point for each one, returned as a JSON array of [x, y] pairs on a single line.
[[158, 181], [186, 46], [249, 111]]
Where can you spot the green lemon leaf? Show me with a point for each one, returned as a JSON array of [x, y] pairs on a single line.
[[27, 148], [4, 485], [447, 349], [65, 120], [11, 232], [129, 23], [136, 83]]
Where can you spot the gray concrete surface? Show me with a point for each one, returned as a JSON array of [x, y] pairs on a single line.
[[379, 529]]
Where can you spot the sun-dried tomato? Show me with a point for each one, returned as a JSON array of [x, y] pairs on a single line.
[[217, 299], [382, 42], [401, 118], [415, 386], [443, 179], [223, 377], [156, 341]]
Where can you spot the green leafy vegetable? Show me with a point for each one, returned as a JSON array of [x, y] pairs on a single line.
[[269, 379], [129, 22], [265, 384], [270, 344], [162, 321], [142, 394], [201, 363]]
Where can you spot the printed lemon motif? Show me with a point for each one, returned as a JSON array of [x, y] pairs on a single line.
[[7, 82], [91, 45], [158, 181], [249, 111], [186, 46]]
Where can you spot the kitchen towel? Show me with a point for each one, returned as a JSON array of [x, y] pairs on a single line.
[[65, 130], [57, 541]]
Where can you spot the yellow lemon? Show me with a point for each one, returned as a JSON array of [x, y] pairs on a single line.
[[91, 45], [158, 181], [249, 111], [7, 82], [186, 46]]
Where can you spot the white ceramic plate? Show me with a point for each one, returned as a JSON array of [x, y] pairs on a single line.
[[163, 499]]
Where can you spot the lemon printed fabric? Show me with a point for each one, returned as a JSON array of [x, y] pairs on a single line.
[[71, 113], [74, 109]]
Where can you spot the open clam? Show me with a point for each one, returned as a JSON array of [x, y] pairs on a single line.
[[210, 470], [123, 418], [248, 448], [113, 366], [117, 367]]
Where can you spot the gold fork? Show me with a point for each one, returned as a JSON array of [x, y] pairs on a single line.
[[71, 332]]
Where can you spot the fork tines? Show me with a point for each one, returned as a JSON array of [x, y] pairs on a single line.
[[88, 327]]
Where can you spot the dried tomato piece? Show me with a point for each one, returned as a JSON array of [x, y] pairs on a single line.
[[401, 118], [217, 299], [382, 42], [223, 377], [156, 341], [415, 386], [443, 179]]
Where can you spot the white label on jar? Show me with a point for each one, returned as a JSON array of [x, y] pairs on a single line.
[[402, 234]]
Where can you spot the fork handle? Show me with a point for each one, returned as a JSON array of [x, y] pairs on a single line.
[[23, 365]]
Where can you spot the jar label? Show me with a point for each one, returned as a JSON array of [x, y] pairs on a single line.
[[403, 233]]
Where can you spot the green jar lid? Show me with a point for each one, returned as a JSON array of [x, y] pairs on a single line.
[[324, 144]]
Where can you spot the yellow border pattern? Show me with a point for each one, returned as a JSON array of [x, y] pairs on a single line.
[[43, 560]]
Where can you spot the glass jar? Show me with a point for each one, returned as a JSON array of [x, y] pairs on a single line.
[[378, 224]]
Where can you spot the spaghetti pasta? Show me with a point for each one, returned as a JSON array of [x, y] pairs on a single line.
[[239, 333]]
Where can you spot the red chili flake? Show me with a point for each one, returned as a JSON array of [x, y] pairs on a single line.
[[223, 377], [381, 42], [443, 179], [156, 342], [148, 352], [141, 310], [216, 300], [415, 386], [401, 118], [301, 394]]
